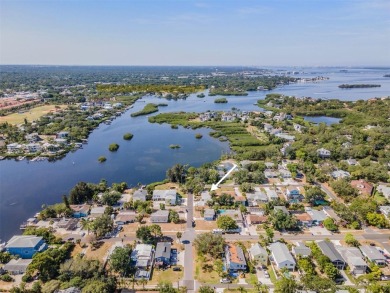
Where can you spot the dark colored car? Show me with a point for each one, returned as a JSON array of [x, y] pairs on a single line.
[[177, 269]]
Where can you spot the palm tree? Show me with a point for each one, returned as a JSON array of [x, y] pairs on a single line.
[[241, 289], [261, 288], [133, 280], [85, 224]]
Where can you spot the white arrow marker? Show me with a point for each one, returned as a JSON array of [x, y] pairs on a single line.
[[215, 186]]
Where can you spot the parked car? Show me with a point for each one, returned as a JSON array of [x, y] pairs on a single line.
[[176, 269], [185, 241], [266, 274], [225, 281]]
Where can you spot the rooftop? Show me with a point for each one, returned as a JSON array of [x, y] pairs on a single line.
[[23, 241]]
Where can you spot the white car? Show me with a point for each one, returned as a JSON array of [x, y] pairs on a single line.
[[225, 281]]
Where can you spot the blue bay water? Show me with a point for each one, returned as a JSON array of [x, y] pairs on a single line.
[[24, 186]]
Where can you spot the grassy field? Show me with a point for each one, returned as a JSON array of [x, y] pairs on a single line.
[[30, 115], [168, 275]]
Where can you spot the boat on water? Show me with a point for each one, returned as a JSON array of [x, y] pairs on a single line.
[[20, 158], [2, 158]]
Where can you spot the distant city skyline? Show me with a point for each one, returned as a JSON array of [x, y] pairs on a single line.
[[196, 33]]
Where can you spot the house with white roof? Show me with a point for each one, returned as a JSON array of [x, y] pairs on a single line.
[[340, 174], [323, 153], [161, 216], [258, 253], [168, 196], [17, 266], [142, 257], [282, 256], [271, 194]]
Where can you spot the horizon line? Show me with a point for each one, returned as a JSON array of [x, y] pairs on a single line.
[[187, 65]]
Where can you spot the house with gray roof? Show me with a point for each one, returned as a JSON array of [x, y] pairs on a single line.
[[168, 196], [161, 216], [317, 216], [17, 266], [163, 254], [282, 256], [140, 195], [354, 258], [271, 194], [258, 253], [329, 250], [301, 249], [25, 245], [205, 196], [373, 255], [209, 215], [255, 198], [281, 208], [384, 189]]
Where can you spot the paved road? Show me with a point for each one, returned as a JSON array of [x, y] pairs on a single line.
[[189, 234]]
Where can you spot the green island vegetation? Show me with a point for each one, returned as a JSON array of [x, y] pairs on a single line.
[[352, 86], [148, 109], [102, 159], [201, 95], [227, 92], [150, 88], [221, 101], [174, 146], [113, 147], [198, 136], [128, 136]]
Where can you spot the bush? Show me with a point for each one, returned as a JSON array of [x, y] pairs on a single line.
[[113, 147], [7, 278], [102, 159], [198, 136], [128, 136], [220, 101]]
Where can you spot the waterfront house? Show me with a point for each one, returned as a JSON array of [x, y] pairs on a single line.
[[14, 148], [373, 255], [268, 127], [354, 258], [209, 215], [301, 250], [80, 210], [161, 216], [168, 196], [234, 258], [258, 254], [329, 250], [282, 256], [17, 266], [25, 245], [33, 147], [140, 195], [363, 187], [323, 153], [384, 189], [124, 217], [163, 254], [67, 224]]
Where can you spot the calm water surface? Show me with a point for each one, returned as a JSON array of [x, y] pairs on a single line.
[[24, 186]]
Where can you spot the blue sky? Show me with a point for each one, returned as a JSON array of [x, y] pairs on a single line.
[[181, 32]]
